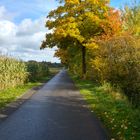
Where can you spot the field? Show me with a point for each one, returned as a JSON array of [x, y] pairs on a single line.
[[16, 77]]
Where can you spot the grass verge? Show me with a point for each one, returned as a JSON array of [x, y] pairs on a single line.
[[11, 94], [112, 108]]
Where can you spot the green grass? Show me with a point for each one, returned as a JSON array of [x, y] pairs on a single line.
[[11, 94], [113, 109], [54, 70]]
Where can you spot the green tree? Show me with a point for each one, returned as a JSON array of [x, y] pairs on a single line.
[[131, 18]]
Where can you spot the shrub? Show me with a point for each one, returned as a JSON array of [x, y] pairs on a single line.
[[118, 62], [37, 70]]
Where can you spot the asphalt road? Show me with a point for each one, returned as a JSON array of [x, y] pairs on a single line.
[[55, 112]]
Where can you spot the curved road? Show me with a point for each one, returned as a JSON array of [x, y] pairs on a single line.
[[55, 112]]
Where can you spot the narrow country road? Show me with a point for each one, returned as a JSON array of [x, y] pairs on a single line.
[[55, 112]]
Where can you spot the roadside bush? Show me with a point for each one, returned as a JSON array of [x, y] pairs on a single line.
[[37, 70], [118, 62]]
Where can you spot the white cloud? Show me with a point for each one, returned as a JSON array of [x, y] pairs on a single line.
[[28, 27], [23, 40]]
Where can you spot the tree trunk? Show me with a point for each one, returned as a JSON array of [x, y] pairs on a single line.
[[83, 62]]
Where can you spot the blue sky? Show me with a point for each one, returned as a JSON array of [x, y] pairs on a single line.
[[28, 8], [119, 3], [22, 27], [36, 8]]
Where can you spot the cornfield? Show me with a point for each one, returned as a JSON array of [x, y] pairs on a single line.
[[12, 72]]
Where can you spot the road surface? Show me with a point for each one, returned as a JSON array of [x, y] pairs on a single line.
[[56, 112]]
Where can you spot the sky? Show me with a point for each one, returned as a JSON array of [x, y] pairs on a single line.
[[22, 28]]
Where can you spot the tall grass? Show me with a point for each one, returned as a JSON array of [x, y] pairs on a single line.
[[12, 72]]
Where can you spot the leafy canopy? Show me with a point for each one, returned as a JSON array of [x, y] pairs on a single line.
[[79, 23]]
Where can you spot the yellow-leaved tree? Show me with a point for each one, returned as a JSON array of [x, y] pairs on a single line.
[[77, 25]]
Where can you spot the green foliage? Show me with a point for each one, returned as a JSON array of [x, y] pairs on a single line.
[[37, 70], [113, 109], [131, 17]]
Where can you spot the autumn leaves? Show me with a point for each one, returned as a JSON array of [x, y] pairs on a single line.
[[94, 40]]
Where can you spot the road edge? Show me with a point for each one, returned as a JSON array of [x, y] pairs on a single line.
[[15, 105], [91, 112]]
